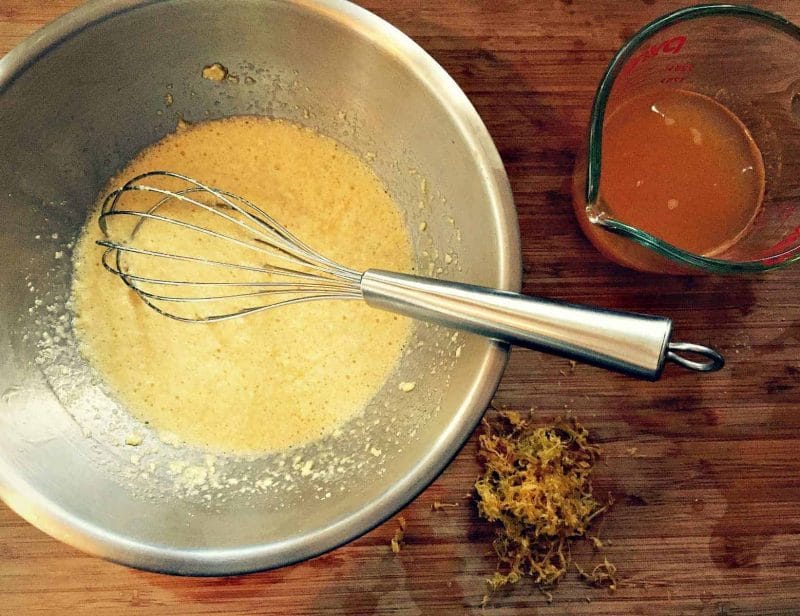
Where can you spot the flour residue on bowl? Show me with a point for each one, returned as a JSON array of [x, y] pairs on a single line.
[[274, 380]]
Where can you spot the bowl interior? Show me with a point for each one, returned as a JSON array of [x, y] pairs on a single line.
[[83, 97]]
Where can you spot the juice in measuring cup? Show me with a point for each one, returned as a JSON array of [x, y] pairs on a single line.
[[679, 166]]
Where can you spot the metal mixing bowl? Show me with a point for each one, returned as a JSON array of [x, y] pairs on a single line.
[[78, 100]]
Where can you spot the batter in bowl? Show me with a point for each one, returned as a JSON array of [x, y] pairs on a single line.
[[273, 380]]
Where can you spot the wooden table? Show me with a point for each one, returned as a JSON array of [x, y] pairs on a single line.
[[705, 469]]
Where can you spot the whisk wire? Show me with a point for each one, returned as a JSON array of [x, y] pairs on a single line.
[[115, 249], [301, 274], [268, 230]]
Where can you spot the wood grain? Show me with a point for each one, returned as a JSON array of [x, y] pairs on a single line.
[[705, 469]]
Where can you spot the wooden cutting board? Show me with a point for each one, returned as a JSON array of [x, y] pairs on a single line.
[[705, 469]]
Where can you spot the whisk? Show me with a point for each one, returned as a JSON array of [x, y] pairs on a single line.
[[228, 258]]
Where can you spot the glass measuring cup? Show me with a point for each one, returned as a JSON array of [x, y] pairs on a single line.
[[745, 59]]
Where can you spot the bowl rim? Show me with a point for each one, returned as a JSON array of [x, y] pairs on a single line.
[[50, 517]]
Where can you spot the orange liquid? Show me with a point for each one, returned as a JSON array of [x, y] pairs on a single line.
[[681, 167]]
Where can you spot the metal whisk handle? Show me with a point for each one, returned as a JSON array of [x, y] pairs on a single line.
[[635, 344]]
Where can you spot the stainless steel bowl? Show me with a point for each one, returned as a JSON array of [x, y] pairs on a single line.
[[79, 99]]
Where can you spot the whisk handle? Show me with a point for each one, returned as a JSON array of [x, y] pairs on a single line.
[[635, 344]]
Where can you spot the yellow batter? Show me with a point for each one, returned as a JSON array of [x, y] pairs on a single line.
[[268, 381]]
